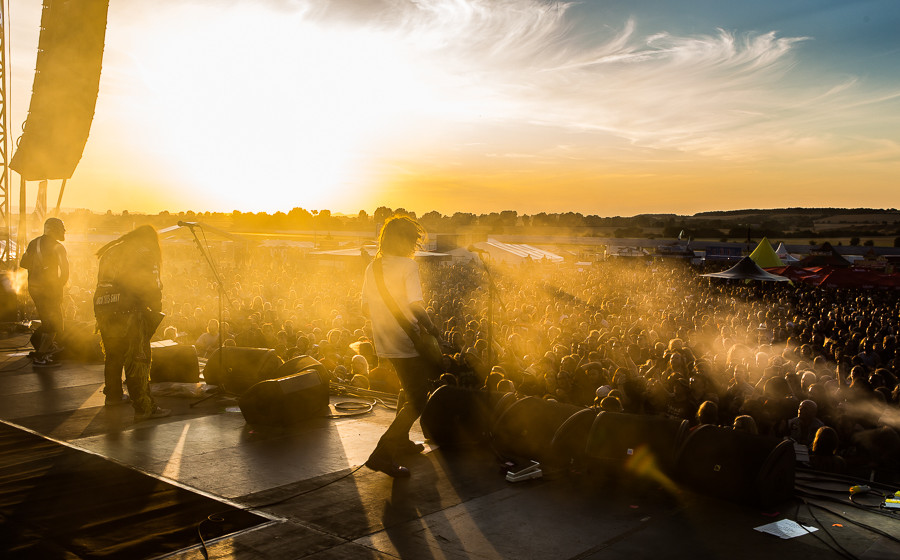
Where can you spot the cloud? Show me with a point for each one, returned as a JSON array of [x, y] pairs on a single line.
[[493, 63], [479, 88]]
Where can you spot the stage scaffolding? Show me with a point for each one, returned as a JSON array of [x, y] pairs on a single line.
[[7, 254]]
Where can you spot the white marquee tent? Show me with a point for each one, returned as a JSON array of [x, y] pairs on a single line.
[[516, 253]]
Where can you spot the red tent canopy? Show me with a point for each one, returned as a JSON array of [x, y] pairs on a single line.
[[828, 276]]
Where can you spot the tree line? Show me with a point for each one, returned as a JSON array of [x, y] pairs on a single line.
[[750, 224]]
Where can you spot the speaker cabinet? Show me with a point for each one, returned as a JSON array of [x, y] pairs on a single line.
[[9, 304], [456, 416], [235, 368], [64, 94], [737, 466], [569, 443], [526, 428], [79, 342], [618, 441], [499, 403], [286, 400], [177, 363], [302, 363]]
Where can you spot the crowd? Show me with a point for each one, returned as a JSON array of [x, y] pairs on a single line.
[[819, 366]]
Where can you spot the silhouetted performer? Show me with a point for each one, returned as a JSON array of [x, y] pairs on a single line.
[[127, 305], [48, 271], [400, 236]]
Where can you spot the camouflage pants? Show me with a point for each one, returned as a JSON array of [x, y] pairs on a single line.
[[126, 344]]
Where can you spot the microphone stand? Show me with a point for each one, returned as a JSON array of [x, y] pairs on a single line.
[[220, 292], [492, 293]]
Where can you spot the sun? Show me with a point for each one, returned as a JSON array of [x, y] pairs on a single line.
[[255, 109]]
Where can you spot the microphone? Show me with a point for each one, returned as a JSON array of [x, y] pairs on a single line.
[[187, 224], [474, 249]]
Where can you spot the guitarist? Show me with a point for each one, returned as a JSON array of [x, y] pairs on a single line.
[[392, 299]]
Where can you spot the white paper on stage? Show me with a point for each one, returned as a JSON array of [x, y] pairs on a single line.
[[785, 529]]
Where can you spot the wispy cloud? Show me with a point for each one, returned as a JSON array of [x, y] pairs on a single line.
[[723, 94], [343, 94]]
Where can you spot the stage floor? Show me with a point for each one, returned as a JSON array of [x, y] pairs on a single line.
[[457, 504]]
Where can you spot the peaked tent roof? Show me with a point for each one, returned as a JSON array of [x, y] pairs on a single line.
[[764, 255], [746, 269], [783, 254], [824, 255]]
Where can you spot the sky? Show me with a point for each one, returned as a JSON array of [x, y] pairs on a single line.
[[598, 107]]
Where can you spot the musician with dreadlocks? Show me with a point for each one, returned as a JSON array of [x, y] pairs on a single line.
[[127, 305]]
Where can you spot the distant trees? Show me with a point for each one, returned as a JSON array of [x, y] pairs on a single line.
[[509, 218], [432, 221], [633, 231], [300, 218], [382, 213], [462, 219], [775, 224]]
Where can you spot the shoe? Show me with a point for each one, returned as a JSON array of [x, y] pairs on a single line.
[[411, 448], [157, 412], [45, 362], [388, 467], [113, 400]]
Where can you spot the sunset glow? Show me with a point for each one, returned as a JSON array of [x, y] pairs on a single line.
[[485, 105]]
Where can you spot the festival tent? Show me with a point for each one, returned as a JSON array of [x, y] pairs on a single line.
[[824, 255], [808, 275], [764, 255], [628, 252], [843, 277], [516, 253], [783, 254], [746, 269], [859, 278], [368, 252]]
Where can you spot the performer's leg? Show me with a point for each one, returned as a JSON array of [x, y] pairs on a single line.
[[49, 310], [137, 368], [414, 377], [114, 344]]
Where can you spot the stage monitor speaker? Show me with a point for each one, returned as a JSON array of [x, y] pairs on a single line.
[[618, 439], [64, 94], [569, 443], [737, 466], [499, 402], [525, 430], [177, 363], [878, 450], [286, 400], [9, 304], [236, 368], [456, 416], [79, 343], [302, 363]]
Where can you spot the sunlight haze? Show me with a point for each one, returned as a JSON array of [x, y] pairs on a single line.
[[609, 108]]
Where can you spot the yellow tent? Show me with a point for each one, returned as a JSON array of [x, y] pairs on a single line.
[[764, 255]]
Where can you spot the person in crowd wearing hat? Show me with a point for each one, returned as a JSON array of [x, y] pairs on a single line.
[[127, 305], [48, 271]]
